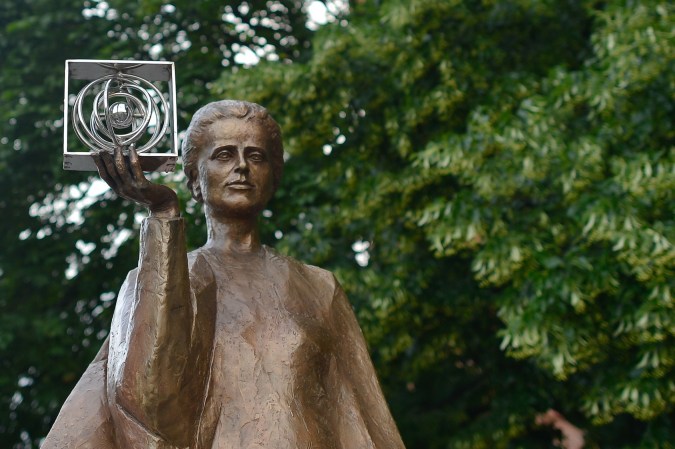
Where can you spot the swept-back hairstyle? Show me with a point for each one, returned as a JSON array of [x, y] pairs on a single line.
[[196, 135]]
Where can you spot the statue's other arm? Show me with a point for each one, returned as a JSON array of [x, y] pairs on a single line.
[[365, 420]]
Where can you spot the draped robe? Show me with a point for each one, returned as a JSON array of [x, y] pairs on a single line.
[[227, 351]]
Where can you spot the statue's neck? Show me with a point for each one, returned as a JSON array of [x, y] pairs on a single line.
[[232, 234]]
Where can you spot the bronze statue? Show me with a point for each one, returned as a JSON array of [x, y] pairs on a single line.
[[232, 346]]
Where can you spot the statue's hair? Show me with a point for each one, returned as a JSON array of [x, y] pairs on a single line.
[[196, 134]]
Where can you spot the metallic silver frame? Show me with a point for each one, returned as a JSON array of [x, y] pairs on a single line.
[[90, 69]]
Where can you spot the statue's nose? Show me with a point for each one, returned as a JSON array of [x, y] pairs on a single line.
[[242, 167]]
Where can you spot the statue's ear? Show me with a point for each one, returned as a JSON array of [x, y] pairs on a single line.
[[197, 193], [196, 190]]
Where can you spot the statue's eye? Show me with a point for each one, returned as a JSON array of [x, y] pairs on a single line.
[[256, 157], [224, 155]]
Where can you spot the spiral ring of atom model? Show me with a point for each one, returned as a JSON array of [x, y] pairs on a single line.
[[121, 113]]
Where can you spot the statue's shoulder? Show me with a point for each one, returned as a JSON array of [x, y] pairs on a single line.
[[197, 258], [320, 279], [201, 273], [198, 267]]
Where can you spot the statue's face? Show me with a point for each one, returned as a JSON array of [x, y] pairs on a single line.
[[235, 173]]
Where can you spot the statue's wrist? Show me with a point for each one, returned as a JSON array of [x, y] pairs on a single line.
[[165, 211]]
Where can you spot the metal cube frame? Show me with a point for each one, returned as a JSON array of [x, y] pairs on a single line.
[[151, 71]]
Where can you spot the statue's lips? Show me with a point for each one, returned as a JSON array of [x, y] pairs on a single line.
[[239, 185]]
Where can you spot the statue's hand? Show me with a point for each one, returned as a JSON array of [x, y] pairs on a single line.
[[125, 177]]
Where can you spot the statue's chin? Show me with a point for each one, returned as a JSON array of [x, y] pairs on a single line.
[[237, 210]]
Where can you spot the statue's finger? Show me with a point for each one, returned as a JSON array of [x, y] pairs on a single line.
[[121, 165], [103, 170], [109, 165], [135, 164]]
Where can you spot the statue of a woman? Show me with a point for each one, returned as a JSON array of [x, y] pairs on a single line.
[[231, 346]]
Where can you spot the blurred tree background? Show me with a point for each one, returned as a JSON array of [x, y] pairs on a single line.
[[492, 182]]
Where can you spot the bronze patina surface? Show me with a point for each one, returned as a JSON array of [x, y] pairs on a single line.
[[231, 346]]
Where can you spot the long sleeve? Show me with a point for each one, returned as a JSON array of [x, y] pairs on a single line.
[[364, 419], [160, 344]]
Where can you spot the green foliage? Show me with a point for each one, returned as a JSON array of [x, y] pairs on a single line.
[[511, 167], [491, 181]]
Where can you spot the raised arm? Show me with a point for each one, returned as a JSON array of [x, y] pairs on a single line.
[[160, 339]]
